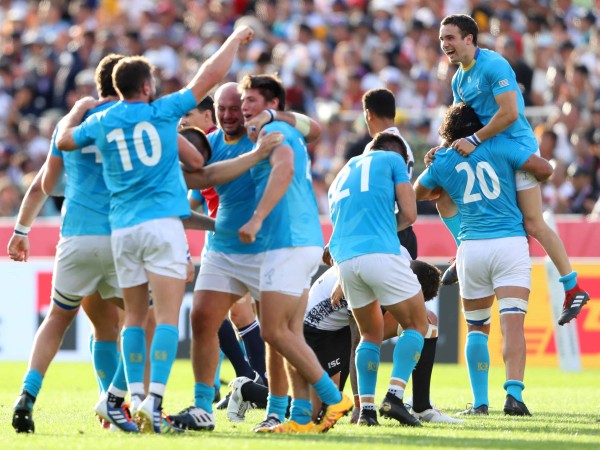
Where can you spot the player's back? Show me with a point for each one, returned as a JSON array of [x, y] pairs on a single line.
[[237, 199], [87, 199], [483, 187], [294, 221], [477, 86], [361, 201], [138, 143]]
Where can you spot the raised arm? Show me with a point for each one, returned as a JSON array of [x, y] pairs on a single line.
[[225, 171], [214, 69], [309, 128], [64, 136]]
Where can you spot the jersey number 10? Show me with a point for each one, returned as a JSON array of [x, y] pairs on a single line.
[[117, 135]]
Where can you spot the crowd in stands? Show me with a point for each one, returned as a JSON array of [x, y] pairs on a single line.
[[328, 53]]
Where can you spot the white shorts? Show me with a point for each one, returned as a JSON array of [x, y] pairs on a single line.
[[524, 180], [387, 278], [158, 246], [84, 265], [232, 273], [486, 264], [289, 270]]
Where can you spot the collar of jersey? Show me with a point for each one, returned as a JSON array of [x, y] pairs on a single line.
[[472, 63], [235, 141]]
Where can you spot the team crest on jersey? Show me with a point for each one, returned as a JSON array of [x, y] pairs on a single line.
[[503, 83]]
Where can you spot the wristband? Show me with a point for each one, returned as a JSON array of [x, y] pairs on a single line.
[[302, 124], [357, 401], [272, 113], [22, 230], [473, 140]]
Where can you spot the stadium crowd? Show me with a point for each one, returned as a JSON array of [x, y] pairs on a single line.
[[328, 53]]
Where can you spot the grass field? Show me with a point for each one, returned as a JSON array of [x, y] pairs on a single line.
[[565, 408]]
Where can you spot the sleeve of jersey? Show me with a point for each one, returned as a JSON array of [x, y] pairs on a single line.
[[196, 195], [85, 134], [53, 148], [282, 128], [501, 78], [399, 170], [176, 104], [457, 99], [427, 178]]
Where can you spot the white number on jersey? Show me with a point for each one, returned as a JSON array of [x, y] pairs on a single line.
[[338, 193], [93, 149], [140, 129], [481, 169]]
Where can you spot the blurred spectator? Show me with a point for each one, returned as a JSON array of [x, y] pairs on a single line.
[[583, 198], [328, 52]]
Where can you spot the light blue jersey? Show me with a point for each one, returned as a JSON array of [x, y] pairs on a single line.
[[477, 86], [362, 199], [87, 200], [237, 199], [138, 144], [483, 187], [294, 222]]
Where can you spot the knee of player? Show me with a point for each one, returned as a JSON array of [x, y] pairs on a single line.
[[272, 335], [534, 226]]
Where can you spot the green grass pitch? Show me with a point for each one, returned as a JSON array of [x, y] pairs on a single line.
[[565, 408]]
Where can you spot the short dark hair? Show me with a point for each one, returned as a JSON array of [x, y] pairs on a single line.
[[269, 86], [381, 102], [130, 74], [198, 139], [429, 277], [466, 24], [390, 142], [459, 121], [103, 75], [207, 104]]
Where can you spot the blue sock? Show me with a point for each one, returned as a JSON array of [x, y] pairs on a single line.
[[163, 352], [203, 396], [32, 382], [515, 388], [133, 342], [277, 405], [231, 347], [119, 379], [217, 382], [106, 359], [453, 225], [406, 354], [569, 281], [478, 364], [367, 364], [301, 411], [327, 391], [255, 348]]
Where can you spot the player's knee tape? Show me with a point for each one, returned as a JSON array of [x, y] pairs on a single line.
[[512, 305], [478, 317], [66, 301], [432, 331]]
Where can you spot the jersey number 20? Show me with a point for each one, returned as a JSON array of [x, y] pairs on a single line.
[[481, 169]]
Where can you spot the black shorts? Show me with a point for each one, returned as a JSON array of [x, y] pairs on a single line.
[[332, 349], [408, 239]]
